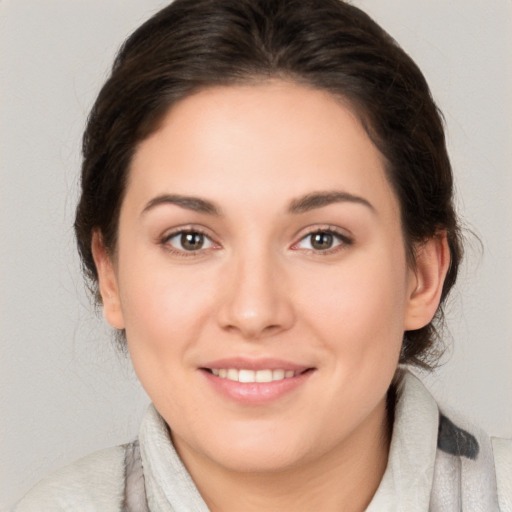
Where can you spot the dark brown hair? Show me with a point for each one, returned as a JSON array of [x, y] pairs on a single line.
[[325, 44]]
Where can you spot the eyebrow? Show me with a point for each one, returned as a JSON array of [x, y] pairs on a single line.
[[195, 204], [301, 205], [321, 199]]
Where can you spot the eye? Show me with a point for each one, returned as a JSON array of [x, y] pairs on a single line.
[[322, 241], [189, 241]]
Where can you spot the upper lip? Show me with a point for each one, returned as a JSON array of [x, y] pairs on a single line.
[[241, 363]]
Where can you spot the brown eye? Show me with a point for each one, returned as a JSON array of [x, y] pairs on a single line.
[[322, 241], [189, 241], [192, 241]]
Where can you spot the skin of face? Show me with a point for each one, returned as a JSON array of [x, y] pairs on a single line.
[[258, 289]]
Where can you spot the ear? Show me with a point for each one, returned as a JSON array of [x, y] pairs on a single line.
[[432, 260], [107, 281]]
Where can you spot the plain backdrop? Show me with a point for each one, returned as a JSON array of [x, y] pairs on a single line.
[[65, 391]]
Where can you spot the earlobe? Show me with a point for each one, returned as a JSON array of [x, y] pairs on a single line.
[[426, 285], [107, 282]]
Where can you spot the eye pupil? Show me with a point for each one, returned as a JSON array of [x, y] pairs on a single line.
[[322, 241], [192, 241]]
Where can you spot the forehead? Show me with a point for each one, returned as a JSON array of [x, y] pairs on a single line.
[[288, 137]]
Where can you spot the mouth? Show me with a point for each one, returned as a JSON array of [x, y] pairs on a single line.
[[248, 376], [251, 382]]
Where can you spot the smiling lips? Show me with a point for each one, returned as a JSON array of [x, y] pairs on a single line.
[[253, 382], [248, 376]]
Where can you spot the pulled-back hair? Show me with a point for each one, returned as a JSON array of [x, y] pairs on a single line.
[[325, 44]]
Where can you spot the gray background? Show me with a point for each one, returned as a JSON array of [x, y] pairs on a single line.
[[64, 390]]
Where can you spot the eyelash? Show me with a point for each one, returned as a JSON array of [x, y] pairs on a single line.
[[343, 240], [183, 252]]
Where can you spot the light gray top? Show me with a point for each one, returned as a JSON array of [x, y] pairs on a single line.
[[434, 465]]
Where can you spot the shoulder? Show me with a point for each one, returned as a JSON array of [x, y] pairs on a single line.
[[466, 464], [502, 449], [94, 483]]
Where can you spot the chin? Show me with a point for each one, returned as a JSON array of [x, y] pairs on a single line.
[[253, 450], [260, 459]]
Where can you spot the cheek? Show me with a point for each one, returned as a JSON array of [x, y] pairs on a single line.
[[164, 307], [360, 305], [165, 314]]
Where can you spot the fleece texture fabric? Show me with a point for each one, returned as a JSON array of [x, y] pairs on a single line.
[[436, 464]]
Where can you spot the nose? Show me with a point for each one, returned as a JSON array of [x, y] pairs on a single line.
[[256, 302]]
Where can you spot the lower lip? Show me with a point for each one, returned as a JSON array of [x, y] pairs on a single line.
[[256, 393]]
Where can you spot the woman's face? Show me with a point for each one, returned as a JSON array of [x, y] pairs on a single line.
[[261, 276]]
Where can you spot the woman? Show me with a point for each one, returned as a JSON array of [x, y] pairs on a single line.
[[267, 218]]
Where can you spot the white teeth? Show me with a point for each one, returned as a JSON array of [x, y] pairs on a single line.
[[232, 374], [278, 375], [248, 376], [264, 376], [244, 375]]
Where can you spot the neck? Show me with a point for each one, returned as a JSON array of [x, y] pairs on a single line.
[[345, 478]]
